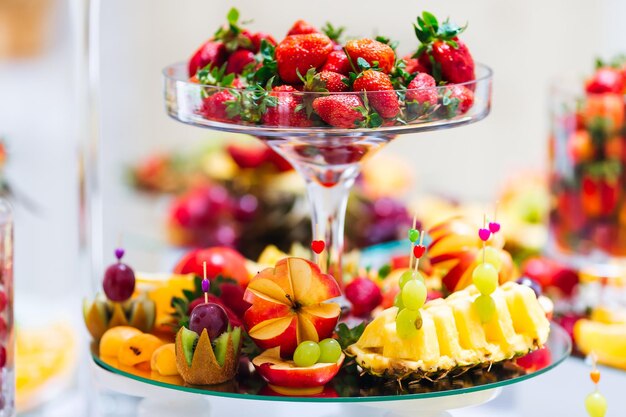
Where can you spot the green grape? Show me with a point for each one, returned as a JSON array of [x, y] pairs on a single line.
[[414, 294], [485, 278], [595, 403], [485, 307], [408, 322], [408, 276], [405, 277], [492, 256], [397, 301], [306, 354], [330, 351]]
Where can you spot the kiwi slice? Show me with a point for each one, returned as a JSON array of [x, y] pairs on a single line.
[[189, 339], [219, 348], [236, 333]]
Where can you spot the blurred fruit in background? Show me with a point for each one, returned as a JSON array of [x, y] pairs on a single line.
[[588, 156], [221, 194], [24, 26], [45, 361]]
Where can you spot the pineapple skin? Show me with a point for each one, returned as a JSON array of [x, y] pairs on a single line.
[[452, 337]]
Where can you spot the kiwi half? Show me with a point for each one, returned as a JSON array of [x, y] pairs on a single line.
[[200, 362]]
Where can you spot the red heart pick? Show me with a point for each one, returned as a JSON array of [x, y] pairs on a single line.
[[318, 246], [484, 234], [494, 227], [418, 250]]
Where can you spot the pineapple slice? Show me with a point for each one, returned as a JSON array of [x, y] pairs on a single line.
[[448, 334], [374, 334], [500, 329], [528, 317], [424, 345]]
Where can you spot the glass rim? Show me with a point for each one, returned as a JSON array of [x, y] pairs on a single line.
[[172, 73]]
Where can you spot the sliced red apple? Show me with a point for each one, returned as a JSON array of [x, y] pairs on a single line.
[[288, 305], [284, 376]]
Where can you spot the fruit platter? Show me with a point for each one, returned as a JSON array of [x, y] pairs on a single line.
[[449, 316]]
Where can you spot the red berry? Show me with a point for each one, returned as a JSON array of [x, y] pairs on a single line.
[[257, 37], [423, 90], [339, 110], [298, 53], [286, 112], [214, 107], [3, 356], [3, 329], [412, 65], [364, 295], [210, 52], [337, 61], [380, 92], [373, 52], [301, 27], [332, 80], [239, 59]]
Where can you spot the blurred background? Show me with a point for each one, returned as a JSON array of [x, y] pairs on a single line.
[[526, 43]]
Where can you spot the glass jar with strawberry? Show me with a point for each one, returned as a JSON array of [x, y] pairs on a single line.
[[588, 165]]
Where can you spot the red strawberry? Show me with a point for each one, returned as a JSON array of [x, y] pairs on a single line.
[[457, 100], [338, 62], [284, 113], [412, 65], [340, 110], [214, 106], [333, 81], [210, 52], [239, 60], [445, 56], [257, 37], [380, 92], [298, 53], [605, 80], [281, 164], [301, 27], [423, 90], [339, 155], [373, 52]]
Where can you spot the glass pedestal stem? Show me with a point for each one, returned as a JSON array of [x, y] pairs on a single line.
[[328, 204]]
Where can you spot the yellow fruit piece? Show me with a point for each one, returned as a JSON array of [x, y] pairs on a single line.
[[609, 315], [138, 349], [271, 255], [373, 336], [500, 331], [606, 340], [529, 319], [161, 290], [114, 338], [44, 356], [448, 334], [164, 360]]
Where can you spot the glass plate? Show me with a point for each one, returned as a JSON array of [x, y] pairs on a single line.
[[350, 387]]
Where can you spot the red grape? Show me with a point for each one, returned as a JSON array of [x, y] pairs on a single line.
[[364, 296], [119, 282], [209, 316], [3, 356], [3, 300]]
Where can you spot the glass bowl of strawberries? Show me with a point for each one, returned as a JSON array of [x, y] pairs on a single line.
[[324, 103], [588, 165]]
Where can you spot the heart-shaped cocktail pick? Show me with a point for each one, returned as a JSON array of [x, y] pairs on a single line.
[[318, 246], [494, 227], [484, 234], [419, 250]]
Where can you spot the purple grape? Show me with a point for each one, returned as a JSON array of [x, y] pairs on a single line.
[[119, 282], [534, 285], [209, 316]]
